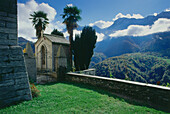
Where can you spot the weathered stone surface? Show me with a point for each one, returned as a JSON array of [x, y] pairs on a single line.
[[3, 36], [2, 23], [11, 25], [30, 63], [8, 42], [61, 52], [12, 36], [11, 63], [21, 80], [14, 99], [31, 68], [29, 50], [7, 83], [12, 15], [12, 76], [14, 85], [3, 13], [8, 19], [151, 95], [8, 6]]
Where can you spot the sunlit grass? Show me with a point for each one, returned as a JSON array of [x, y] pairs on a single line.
[[67, 98]]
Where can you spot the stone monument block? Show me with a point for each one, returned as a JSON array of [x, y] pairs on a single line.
[[30, 63], [14, 83], [61, 63]]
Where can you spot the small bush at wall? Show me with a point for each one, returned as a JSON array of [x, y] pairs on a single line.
[[34, 91], [167, 85]]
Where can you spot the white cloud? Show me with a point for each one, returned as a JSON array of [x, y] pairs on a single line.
[[74, 33], [104, 24], [70, 5], [101, 24], [100, 36], [120, 15], [25, 28], [155, 14], [160, 25], [167, 10]]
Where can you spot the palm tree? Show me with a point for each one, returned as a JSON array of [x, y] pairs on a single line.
[[71, 15], [39, 21]]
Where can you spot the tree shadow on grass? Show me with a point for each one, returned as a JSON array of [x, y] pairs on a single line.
[[104, 91]]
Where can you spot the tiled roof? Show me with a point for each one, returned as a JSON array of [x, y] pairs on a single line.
[[56, 39]]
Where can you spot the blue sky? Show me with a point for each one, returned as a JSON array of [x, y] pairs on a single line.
[[101, 13], [94, 10]]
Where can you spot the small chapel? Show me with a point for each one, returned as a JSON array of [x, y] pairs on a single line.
[[51, 52]]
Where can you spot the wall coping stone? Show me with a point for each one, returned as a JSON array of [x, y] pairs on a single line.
[[120, 80], [91, 69]]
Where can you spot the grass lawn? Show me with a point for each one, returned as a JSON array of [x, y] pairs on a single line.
[[69, 98]]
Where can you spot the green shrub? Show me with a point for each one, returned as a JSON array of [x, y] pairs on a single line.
[[167, 85], [34, 91]]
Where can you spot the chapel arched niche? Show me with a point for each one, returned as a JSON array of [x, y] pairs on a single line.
[[43, 57]]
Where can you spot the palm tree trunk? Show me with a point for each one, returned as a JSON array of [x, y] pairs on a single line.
[[70, 48]]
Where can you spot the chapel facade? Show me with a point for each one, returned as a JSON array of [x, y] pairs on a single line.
[[51, 52]]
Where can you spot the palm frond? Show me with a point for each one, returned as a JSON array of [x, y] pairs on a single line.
[[39, 20]]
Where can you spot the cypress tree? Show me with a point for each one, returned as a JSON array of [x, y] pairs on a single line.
[[83, 48]]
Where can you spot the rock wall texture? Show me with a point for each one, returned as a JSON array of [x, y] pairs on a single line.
[[14, 86], [154, 96]]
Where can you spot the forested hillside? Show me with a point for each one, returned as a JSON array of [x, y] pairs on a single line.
[[136, 67]]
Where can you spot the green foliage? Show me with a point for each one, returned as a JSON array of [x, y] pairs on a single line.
[[39, 21], [83, 48], [63, 98], [71, 15], [56, 32], [136, 67]]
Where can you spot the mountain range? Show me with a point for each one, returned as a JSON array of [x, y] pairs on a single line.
[[114, 46]]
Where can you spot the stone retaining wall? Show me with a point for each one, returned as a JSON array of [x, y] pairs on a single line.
[[154, 96]]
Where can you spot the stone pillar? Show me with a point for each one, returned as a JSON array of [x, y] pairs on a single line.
[[14, 85], [30, 63], [61, 63]]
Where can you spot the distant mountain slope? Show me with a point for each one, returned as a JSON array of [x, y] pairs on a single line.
[[128, 44], [158, 42], [22, 42], [136, 67], [96, 58]]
